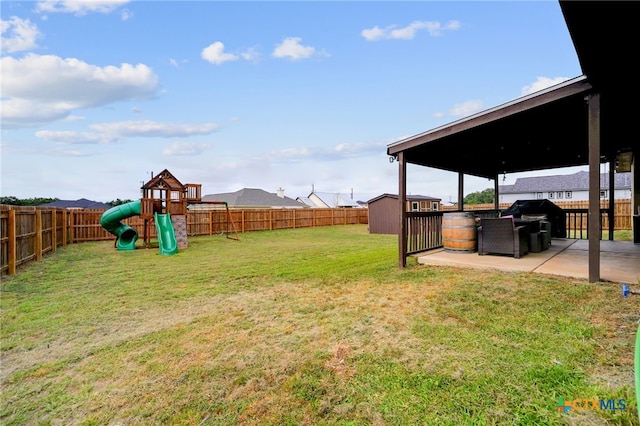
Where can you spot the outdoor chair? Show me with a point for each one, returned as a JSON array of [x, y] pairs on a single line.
[[501, 236]]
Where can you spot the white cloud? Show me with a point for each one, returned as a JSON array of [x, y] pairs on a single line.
[[148, 128], [104, 133], [391, 32], [22, 35], [71, 137], [63, 152], [466, 108], [373, 34], [251, 54], [215, 54], [24, 113], [72, 118], [292, 49], [338, 152], [37, 89], [541, 83], [80, 7], [185, 148], [126, 14]]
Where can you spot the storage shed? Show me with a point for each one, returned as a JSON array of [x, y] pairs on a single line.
[[383, 211]]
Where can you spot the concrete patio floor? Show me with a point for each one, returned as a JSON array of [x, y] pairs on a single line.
[[619, 260]]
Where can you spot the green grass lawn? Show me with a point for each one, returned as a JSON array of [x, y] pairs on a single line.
[[307, 326]]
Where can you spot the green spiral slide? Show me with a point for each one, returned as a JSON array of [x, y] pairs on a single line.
[[167, 243], [126, 236]]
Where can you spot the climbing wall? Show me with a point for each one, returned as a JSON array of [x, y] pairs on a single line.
[[180, 227]]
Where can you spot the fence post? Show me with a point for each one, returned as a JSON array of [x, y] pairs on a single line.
[[54, 229], [64, 228], [11, 244], [71, 226], [38, 248]]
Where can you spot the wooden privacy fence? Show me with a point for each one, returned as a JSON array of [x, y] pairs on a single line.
[[578, 217], [26, 233]]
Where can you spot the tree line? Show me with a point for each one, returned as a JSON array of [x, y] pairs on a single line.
[[482, 197]]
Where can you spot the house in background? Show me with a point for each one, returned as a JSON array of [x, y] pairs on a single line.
[[383, 211], [329, 200], [251, 198], [574, 187], [82, 203]]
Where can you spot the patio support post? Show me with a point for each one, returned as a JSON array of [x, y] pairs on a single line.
[[496, 191], [460, 191], [612, 188], [402, 215], [594, 187]]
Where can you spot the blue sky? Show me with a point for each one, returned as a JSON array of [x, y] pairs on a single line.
[[98, 94]]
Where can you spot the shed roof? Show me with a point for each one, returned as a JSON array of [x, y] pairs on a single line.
[[409, 197]]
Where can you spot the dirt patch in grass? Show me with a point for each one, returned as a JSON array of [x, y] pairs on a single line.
[[84, 342], [389, 311]]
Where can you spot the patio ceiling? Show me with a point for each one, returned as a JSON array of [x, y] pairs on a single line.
[[548, 129]]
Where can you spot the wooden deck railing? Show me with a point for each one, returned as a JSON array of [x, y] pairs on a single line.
[[424, 229]]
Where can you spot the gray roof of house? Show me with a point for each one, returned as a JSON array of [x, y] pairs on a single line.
[[306, 201], [575, 182], [253, 197], [336, 199], [82, 203]]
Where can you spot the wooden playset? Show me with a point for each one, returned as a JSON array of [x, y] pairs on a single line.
[[164, 202]]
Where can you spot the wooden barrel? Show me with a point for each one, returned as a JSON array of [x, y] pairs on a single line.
[[459, 232]]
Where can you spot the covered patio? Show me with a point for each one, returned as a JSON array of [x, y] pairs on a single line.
[[620, 260], [583, 121]]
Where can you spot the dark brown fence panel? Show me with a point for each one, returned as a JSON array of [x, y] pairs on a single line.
[[424, 231], [86, 226], [303, 218], [4, 241], [47, 217], [282, 219], [60, 228], [255, 220], [199, 222], [25, 236], [323, 217]]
